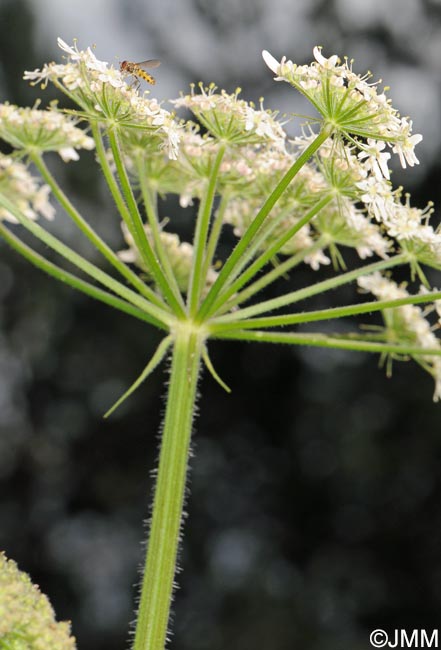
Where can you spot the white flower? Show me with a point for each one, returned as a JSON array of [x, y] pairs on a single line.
[[405, 150], [406, 323], [376, 159], [39, 76], [112, 76], [316, 258], [48, 130], [41, 203], [23, 191], [171, 144], [350, 103], [70, 75], [405, 223], [376, 194], [92, 62], [73, 53], [330, 63], [231, 119], [380, 286], [68, 153]]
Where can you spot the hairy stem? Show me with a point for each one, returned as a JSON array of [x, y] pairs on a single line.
[[331, 313], [160, 568], [325, 341]]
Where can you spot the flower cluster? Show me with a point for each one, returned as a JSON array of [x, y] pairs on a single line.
[[103, 94], [364, 195], [352, 105], [306, 189], [302, 198], [230, 119], [407, 324], [35, 130], [23, 191], [238, 172], [334, 173], [407, 224], [27, 620], [73, 75]]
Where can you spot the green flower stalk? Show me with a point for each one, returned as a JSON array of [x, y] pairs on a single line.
[[288, 202]]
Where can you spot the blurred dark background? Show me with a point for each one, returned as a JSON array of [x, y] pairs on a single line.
[[315, 492]]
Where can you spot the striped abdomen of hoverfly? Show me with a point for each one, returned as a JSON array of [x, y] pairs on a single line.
[[138, 70]]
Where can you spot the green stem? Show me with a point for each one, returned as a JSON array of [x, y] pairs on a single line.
[[223, 323], [110, 180], [256, 245], [160, 569], [93, 237], [214, 235], [152, 217], [324, 341], [145, 249], [271, 276], [76, 283], [86, 266], [268, 255], [236, 255], [314, 289], [114, 188], [197, 279]]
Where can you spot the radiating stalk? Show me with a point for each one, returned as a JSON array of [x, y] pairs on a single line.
[[270, 252], [197, 280], [325, 341], [150, 205], [80, 262], [93, 237], [229, 268], [76, 283], [314, 289], [145, 249], [271, 276], [222, 324]]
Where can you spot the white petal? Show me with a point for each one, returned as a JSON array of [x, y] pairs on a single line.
[[271, 62], [66, 48], [322, 60]]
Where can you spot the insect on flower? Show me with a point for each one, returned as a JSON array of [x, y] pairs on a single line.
[[138, 70]]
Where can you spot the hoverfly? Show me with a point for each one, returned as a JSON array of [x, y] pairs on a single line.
[[137, 70]]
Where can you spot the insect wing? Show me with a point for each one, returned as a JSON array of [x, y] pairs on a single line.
[[151, 63]]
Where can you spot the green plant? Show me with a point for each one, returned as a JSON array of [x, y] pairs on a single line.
[[27, 619], [289, 202]]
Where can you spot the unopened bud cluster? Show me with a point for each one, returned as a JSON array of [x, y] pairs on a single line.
[[27, 620]]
